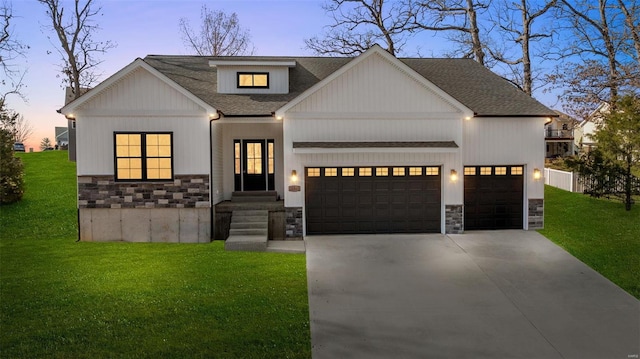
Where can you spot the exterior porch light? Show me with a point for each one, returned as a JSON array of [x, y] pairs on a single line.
[[294, 176], [537, 174], [468, 118], [70, 116], [454, 176]]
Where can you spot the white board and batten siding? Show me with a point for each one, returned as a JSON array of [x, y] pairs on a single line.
[[507, 141], [374, 86], [141, 102], [374, 101], [217, 164]]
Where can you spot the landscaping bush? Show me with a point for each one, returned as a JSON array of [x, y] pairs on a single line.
[[11, 171]]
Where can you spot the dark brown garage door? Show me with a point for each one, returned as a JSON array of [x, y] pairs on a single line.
[[372, 200], [493, 197]]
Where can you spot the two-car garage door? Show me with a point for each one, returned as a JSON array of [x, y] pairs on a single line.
[[400, 199]]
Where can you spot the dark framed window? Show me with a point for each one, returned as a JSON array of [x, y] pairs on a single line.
[[253, 80], [143, 156]]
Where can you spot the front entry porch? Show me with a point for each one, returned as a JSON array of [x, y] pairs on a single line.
[[254, 165], [254, 221]]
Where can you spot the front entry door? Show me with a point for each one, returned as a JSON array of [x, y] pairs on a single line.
[[254, 161]]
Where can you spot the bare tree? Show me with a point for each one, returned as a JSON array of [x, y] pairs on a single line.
[[515, 26], [632, 22], [358, 24], [598, 35], [10, 50], [458, 18], [599, 64], [14, 123], [22, 129], [78, 49], [220, 35]]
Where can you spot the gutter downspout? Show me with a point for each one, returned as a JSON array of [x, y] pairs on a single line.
[[211, 219], [211, 210]]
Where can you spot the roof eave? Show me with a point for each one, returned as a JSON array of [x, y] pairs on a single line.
[[516, 115]]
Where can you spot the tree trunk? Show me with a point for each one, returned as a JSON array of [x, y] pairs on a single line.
[[627, 184], [475, 33], [628, 19], [611, 53], [526, 57]]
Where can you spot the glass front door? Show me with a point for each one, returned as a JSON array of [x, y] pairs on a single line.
[[254, 165]]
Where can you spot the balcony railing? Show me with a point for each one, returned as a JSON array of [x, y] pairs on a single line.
[[550, 133]]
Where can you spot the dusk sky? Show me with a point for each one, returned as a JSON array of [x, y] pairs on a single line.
[[143, 27]]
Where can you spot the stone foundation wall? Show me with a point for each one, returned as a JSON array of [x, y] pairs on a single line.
[[185, 191], [454, 218], [536, 213], [293, 223]]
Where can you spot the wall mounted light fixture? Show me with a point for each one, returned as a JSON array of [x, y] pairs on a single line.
[[294, 176], [537, 174], [453, 176]]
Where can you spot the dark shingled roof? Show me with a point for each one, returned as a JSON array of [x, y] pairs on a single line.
[[485, 93]]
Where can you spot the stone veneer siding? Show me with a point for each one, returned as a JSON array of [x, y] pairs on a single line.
[[293, 223], [185, 191], [536, 213], [454, 218]]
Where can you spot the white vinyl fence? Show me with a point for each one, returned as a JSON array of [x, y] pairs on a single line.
[[567, 181]]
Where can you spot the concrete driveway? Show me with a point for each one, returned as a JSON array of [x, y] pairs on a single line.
[[497, 294]]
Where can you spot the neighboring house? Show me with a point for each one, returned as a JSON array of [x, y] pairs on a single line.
[[587, 128], [62, 137], [371, 144], [559, 136]]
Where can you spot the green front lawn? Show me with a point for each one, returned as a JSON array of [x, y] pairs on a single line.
[[65, 299], [599, 232]]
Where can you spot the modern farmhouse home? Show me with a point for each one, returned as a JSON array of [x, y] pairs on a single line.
[[368, 144]]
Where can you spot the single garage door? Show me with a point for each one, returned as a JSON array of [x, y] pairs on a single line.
[[346, 200], [493, 197]]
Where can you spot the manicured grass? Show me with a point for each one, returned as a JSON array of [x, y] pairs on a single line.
[[599, 232], [65, 299]]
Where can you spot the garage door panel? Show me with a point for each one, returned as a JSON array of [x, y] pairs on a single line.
[[493, 201], [373, 201]]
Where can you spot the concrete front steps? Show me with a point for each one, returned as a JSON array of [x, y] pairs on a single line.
[[249, 231], [249, 227]]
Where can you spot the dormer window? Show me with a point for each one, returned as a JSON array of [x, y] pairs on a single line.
[[252, 76], [253, 80]]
